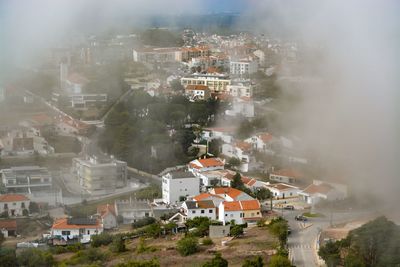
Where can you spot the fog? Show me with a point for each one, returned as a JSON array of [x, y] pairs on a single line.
[[349, 119]]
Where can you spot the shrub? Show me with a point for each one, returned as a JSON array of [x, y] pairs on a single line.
[[118, 244], [90, 255], [142, 248], [207, 241], [236, 230], [101, 239], [187, 246], [33, 257], [150, 263], [25, 212], [153, 230], [254, 262], [75, 247], [7, 257], [143, 222], [217, 261], [261, 223]]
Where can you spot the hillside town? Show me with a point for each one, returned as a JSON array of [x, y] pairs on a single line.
[[168, 147]]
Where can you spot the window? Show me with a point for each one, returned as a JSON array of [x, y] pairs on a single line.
[[202, 211], [5, 206], [65, 232], [226, 214], [88, 232], [193, 211], [210, 211], [23, 205], [258, 212]]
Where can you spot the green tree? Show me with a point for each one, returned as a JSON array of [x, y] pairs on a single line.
[[102, 239], [25, 212], [262, 193], [153, 230], [177, 86], [118, 244], [214, 147], [7, 257], [279, 228], [330, 253], [254, 262], [33, 257], [236, 230], [237, 181], [217, 261], [187, 246], [33, 207], [279, 261]]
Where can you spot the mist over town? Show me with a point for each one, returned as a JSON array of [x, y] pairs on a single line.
[[199, 133]]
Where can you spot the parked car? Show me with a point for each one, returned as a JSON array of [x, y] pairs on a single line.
[[289, 207], [301, 218]]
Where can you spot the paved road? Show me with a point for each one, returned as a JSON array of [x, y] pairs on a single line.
[[302, 241]]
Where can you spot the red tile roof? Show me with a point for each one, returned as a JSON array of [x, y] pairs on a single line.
[[281, 187], [287, 173], [232, 192], [243, 145], [242, 205], [13, 198], [205, 196], [77, 78], [103, 210], [8, 224], [205, 163], [314, 189], [197, 87], [266, 137], [63, 224]]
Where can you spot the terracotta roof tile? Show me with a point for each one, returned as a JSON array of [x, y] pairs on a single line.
[[63, 224], [242, 205], [232, 192], [12, 198], [8, 224], [314, 189]]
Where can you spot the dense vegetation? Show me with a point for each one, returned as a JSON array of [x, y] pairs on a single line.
[[375, 244], [149, 133], [161, 38]]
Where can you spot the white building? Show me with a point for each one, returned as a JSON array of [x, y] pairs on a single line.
[[26, 179], [24, 141], [66, 231], [217, 83], [242, 67], [239, 150], [14, 204], [320, 190], [285, 176], [176, 186], [197, 92], [107, 216], [243, 106], [157, 55], [100, 175], [262, 142], [239, 211], [133, 210], [201, 208], [282, 190], [223, 133], [239, 90]]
